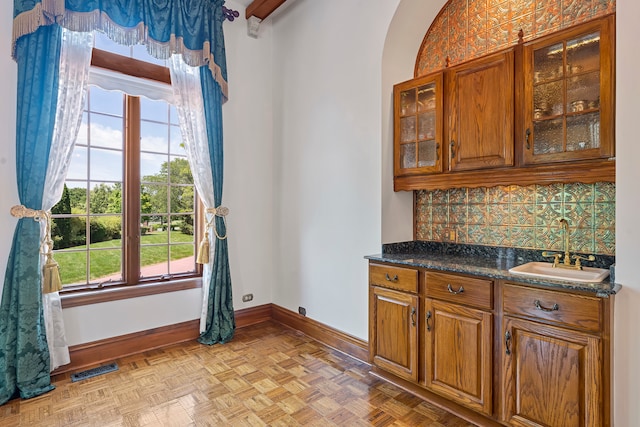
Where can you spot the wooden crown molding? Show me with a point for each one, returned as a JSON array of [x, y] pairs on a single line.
[[262, 8]]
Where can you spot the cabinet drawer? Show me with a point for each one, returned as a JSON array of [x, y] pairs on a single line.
[[405, 279], [459, 289], [572, 310]]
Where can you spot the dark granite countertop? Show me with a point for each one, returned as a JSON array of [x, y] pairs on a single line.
[[487, 261]]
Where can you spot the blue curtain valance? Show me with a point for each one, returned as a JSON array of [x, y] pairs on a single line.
[[192, 28]]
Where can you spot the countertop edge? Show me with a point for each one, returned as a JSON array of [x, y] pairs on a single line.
[[603, 289]]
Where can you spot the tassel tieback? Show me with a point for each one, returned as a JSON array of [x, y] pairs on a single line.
[[203, 248], [51, 281]]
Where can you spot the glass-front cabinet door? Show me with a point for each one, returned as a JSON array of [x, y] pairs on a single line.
[[568, 95], [418, 126]]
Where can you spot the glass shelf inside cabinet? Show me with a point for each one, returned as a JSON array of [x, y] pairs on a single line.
[[566, 95]]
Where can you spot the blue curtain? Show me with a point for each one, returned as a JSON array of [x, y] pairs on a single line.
[[220, 318], [197, 24], [24, 355]]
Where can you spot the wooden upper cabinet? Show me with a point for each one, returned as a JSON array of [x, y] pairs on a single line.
[[540, 112], [568, 95], [480, 96], [418, 126]]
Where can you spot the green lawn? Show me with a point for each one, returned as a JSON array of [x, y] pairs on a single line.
[[73, 265]]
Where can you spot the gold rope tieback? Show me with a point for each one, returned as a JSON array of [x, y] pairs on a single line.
[[203, 248], [51, 281]]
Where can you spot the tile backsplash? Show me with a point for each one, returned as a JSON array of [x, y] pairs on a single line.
[[521, 216]]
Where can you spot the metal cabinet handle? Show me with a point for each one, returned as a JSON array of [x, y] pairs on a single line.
[[527, 134], [555, 307], [437, 151], [453, 149], [428, 319], [450, 289], [391, 279], [413, 316], [507, 342]]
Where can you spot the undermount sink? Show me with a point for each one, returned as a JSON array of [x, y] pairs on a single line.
[[548, 271]]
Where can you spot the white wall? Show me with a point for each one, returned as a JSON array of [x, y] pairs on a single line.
[[327, 135], [627, 306], [408, 28], [248, 191]]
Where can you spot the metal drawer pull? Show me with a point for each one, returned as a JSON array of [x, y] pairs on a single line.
[[459, 291], [507, 342], [392, 279], [413, 316], [539, 307], [428, 318]]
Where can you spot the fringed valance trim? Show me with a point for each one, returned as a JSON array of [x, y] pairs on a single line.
[[53, 11]]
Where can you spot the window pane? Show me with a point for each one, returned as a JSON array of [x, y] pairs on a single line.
[[105, 232], [154, 137], [154, 110], [105, 165], [77, 196], [182, 228], [105, 265], [175, 136], [73, 267], [153, 199], [179, 171], [105, 101], [173, 115], [154, 230], [79, 163], [153, 167], [83, 132], [154, 260], [105, 131], [182, 259], [182, 199], [105, 198]]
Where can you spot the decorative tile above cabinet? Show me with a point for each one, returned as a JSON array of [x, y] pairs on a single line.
[[466, 30]]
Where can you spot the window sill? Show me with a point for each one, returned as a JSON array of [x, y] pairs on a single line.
[[76, 299]]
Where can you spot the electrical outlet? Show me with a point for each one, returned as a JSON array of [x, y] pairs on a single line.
[[302, 311], [247, 297], [449, 235]]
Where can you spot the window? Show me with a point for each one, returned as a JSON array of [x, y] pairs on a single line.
[[129, 210]]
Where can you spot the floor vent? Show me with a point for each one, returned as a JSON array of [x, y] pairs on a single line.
[[94, 372]]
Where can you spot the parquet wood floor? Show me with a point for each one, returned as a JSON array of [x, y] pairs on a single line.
[[269, 375]]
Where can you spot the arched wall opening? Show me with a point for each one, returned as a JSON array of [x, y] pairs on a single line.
[[405, 34]]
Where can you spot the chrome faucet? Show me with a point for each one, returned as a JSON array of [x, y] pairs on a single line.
[[566, 263]]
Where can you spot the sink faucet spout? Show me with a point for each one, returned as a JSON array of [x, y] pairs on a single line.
[[565, 230]]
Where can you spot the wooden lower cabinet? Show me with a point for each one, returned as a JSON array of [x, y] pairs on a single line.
[[458, 362], [551, 376], [491, 351], [393, 335]]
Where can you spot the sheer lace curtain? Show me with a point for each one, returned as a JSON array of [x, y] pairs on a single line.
[[190, 106], [75, 60]]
